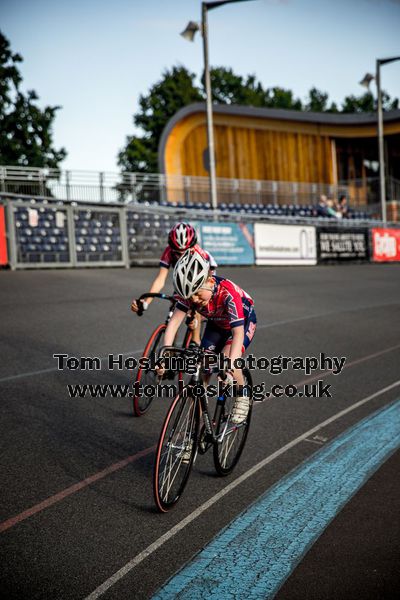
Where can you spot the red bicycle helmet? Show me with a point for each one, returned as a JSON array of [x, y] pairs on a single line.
[[182, 237]]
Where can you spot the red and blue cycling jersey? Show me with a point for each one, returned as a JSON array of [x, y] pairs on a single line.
[[169, 257], [229, 306]]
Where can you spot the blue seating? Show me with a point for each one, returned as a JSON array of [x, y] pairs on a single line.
[[38, 242]]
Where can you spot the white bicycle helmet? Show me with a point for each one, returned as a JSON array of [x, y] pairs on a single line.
[[190, 273]]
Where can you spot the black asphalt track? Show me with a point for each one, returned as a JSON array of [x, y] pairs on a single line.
[[50, 442]]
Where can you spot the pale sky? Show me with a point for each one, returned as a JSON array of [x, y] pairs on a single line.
[[95, 57]]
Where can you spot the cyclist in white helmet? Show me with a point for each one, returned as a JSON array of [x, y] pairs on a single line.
[[229, 310]]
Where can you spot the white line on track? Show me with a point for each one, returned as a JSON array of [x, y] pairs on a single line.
[[55, 369], [169, 534], [266, 326]]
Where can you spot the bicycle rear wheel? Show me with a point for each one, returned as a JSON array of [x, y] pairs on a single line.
[[176, 451], [141, 404], [231, 437]]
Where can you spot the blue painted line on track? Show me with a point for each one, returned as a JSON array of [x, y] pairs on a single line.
[[253, 556]]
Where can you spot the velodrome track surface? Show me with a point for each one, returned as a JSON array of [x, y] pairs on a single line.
[[63, 537]]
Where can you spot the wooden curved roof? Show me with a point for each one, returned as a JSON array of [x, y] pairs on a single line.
[[190, 120]]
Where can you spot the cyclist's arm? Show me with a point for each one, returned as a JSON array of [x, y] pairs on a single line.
[[158, 283], [173, 326], [156, 287]]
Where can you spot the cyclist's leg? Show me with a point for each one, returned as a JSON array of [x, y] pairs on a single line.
[[214, 339], [242, 401]]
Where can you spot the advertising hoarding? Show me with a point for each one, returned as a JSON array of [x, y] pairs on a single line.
[[342, 245], [385, 245], [285, 244], [229, 243]]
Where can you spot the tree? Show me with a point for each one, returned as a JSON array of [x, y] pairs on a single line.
[[25, 129], [318, 102], [175, 90], [228, 88], [367, 103], [278, 97]]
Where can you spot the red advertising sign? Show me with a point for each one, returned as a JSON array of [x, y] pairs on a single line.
[[386, 245], [3, 239]]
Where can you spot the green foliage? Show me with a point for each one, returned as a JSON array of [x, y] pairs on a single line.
[[367, 103], [228, 88], [25, 129], [318, 102], [278, 97], [177, 89]]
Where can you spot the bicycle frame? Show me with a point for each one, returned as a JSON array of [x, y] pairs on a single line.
[[210, 437], [181, 437]]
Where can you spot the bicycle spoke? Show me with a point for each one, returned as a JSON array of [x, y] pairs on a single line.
[[178, 437], [231, 439], [226, 448]]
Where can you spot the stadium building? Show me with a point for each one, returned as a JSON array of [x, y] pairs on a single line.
[[285, 146]]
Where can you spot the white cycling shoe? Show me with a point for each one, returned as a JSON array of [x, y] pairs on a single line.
[[240, 410]]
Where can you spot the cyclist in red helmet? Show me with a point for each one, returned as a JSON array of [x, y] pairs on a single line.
[[181, 237]]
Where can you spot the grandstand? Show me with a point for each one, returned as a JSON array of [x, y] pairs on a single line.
[[77, 218]]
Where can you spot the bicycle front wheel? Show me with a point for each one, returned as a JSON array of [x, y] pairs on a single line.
[[141, 404], [231, 438], [176, 451]]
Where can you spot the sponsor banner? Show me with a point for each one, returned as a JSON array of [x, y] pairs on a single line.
[[285, 244], [229, 243], [345, 244], [3, 239], [385, 245]]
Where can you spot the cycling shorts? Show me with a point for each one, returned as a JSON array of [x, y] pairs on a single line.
[[215, 338]]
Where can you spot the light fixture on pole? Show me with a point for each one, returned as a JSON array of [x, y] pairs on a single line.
[[189, 34], [365, 82], [191, 28]]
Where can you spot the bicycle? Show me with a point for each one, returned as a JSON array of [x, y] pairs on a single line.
[[141, 404], [181, 439]]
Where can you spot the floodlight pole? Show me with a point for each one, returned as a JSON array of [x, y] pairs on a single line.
[[206, 6], [210, 124], [382, 179]]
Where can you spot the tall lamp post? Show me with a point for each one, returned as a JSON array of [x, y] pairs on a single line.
[[189, 33], [365, 82]]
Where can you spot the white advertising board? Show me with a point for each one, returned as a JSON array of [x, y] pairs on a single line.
[[285, 244]]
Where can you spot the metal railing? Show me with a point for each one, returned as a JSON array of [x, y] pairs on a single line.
[[106, 187]]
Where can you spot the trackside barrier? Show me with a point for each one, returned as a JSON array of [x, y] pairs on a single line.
[[3, 238], [336, 245], [229, 243], [285, 245], [48, 234], [45, 235], [385, 245]]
